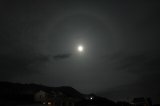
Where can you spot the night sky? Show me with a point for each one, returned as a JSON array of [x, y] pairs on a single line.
[[121, 57]]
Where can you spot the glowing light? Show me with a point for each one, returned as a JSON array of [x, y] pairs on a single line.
[[49, 103], [91, 98], [80, 48]]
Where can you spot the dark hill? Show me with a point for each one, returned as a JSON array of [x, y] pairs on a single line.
[[69, 91]]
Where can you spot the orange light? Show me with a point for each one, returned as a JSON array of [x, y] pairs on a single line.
[[49, 103]]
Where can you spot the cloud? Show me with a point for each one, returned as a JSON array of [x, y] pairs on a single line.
[[21, 64], [145, 86], [18, 64], [141, 62], [61, 56], [144, 66], [131, 61]]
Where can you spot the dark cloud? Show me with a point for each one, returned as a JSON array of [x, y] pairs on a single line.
[[146, 86], [19, 64], [61, 56], [136, 62]]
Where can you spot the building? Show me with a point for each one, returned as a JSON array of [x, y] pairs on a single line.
[[142, 101], [53, 98]]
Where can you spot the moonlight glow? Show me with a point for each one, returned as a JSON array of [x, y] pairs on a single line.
[[80, 48]]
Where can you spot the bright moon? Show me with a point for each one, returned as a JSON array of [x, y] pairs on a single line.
[[80, 48]]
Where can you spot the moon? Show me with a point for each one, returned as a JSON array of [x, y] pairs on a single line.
[[80, 48]]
